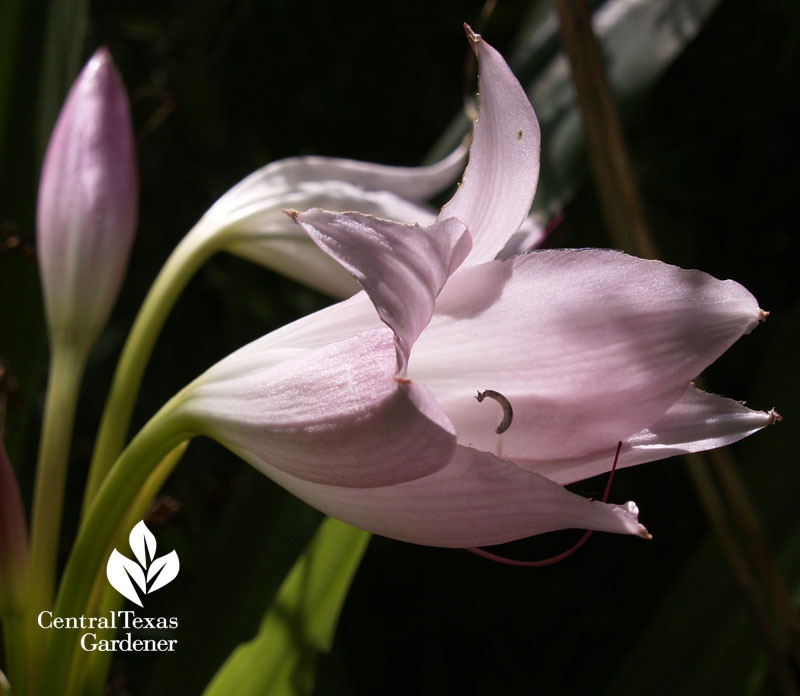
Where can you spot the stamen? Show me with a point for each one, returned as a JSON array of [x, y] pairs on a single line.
[[562, 556], [505, 404]]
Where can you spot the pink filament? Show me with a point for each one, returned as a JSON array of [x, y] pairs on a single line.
[[562, 556]]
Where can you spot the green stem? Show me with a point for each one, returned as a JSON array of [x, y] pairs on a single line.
[[118, 491], [194, 250], [66, 369], [18, 655], [90, 673]]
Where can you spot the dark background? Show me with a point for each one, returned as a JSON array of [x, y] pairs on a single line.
[[219, 89]]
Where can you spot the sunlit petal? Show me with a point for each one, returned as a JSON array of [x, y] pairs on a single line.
[[500, 181], [402, 267], [588, 346], [476, 500], [698, 421], [333, 415]]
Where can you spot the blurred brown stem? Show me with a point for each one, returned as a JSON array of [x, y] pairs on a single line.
[[613, 173]]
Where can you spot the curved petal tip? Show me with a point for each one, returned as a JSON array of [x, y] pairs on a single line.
[[474, 38], [630, 513]]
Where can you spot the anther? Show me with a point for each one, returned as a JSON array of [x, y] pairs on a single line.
[[505, 404]]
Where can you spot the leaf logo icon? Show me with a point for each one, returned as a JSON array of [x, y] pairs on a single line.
[[147, 573]]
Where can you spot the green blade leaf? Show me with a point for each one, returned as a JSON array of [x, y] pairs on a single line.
[[301, 621]]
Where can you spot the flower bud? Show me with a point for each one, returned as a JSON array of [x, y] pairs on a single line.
[[13, 535], [86, 213]]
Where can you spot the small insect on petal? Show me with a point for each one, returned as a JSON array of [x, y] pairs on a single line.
[[505, 404]]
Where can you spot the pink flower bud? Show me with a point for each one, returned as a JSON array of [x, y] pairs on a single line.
[[13, 535], [86, 214]]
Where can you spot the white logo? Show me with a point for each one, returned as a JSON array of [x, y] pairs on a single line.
[[149, 574]]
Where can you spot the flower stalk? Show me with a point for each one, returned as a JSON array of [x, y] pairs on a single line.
[[190, 254], [163, 433], [90, 670], [66, 370]]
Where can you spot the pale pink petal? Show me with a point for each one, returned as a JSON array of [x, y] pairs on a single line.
[[500, 181], [588, 346], [476, 500], [250, 216], [402, 267], [298, 258], [255, 211], [413, 183], [335, 323], [255, 227], [333, 415], [698, 421], [333, 182]]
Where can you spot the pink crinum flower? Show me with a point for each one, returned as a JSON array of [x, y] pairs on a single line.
[[367, 409]]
